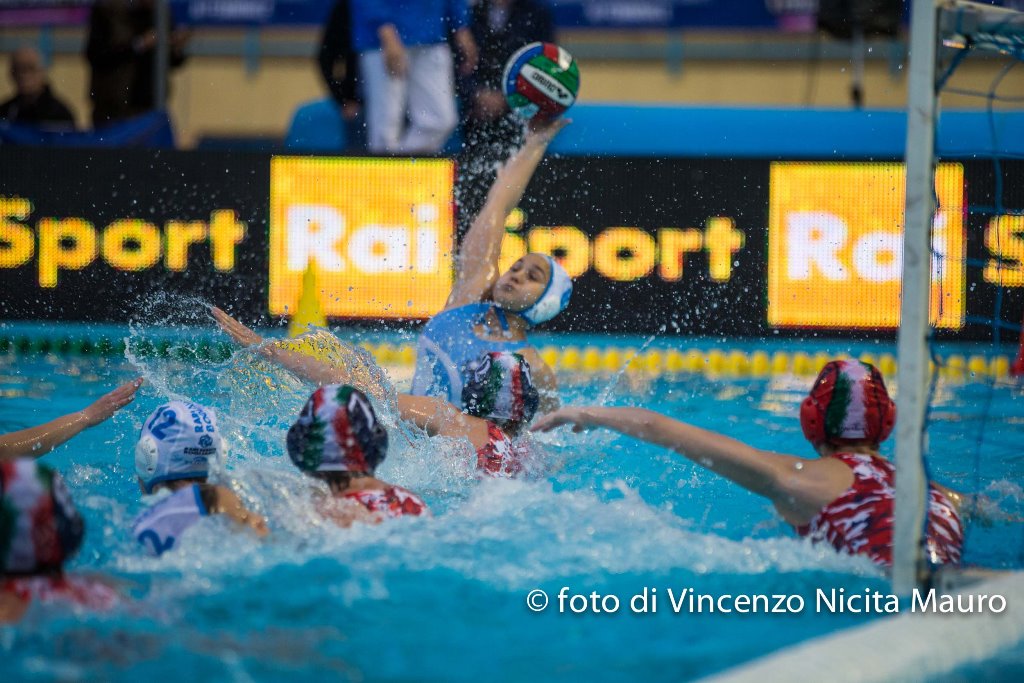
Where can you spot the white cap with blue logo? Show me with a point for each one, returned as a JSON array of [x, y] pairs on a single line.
[[554, 298], [179, 440]]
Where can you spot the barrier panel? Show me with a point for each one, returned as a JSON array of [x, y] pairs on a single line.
[[96, 234], [615, 14], [747, 247], [152, 129]]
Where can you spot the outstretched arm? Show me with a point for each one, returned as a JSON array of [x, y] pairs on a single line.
[[37, 441], [305, 366], [758, 471], [477, 262], [434, 415], [438, 417]]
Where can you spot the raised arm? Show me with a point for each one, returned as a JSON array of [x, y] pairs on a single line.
[[477, 262], [37, 441], [305, 366]]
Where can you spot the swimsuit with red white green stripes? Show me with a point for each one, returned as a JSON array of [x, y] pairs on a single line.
[[499, 457], [393, 501], [860, 520]]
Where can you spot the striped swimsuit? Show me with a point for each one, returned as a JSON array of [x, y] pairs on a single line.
[[860, 520], [393, 501], [499, 457]]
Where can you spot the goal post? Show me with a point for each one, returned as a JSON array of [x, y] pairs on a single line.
[[912, 338], [967, 25]]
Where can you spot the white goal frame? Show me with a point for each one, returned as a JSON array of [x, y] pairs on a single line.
[[956, 23]]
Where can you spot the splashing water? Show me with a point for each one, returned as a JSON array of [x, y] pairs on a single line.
[[441, 597]]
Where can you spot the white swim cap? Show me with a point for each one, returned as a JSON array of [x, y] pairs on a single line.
[[555, 297], [178, 441]]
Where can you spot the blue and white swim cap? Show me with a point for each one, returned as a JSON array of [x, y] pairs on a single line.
[[555, 297], [178, 441]]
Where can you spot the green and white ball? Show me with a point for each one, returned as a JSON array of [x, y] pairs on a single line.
[[541, 81]]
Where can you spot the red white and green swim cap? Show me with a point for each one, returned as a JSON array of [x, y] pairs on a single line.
[[337, 431], [498, 386], [848, 402], [40, 528]]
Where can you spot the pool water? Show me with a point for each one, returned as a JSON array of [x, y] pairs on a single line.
[[444, 597]]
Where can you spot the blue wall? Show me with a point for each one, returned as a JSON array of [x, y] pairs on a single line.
[[633, 130]]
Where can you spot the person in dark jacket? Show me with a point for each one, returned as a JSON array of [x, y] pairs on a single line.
[[121, 48], [490, 132], [34, 103], [339, 62]]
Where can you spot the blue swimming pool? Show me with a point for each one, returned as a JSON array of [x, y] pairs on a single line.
[[445, 598]]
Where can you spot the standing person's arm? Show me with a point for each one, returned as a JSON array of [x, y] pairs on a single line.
[[468, 50], [374, 23], [458, 19], [396, 59], [38, 441], [477, 261], [101, 50], [338, 62]]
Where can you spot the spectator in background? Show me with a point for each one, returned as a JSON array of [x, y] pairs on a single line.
[[339, 62], [121, 49], [499, 27], [34, 103], [408, 72]]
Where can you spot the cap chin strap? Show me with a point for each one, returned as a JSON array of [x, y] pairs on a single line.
[[553, 299]]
